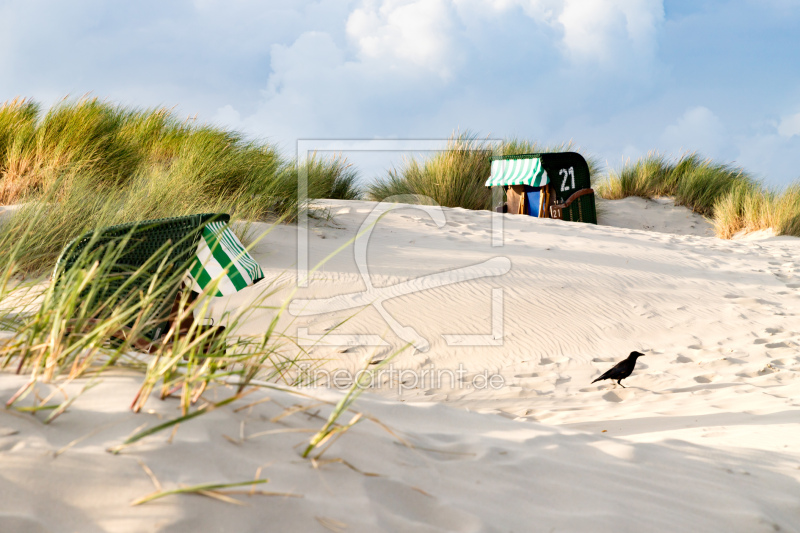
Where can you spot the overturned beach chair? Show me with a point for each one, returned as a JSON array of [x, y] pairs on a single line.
[[548, 185], [161, 250]]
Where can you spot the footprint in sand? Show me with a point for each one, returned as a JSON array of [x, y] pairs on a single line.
[[748, 374], [683, 359], [548, 361], [703, 379], [399, 503], [617, 396], [777, 345], [768, 369]]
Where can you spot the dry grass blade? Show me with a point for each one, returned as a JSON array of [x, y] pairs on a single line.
[[200, 411], [331, 428], [334, 434], [206, 487], [256, 492], [151, 475], [330, 524], [317, 463], [230, 439], [65, 404], [223, 497], [296, 409], [279, 431], [389, 430], [253, 404]]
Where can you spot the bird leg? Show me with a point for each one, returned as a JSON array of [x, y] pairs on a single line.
[[621, 385]]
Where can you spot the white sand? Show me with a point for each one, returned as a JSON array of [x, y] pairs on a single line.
[[658, 214], [705, 437]]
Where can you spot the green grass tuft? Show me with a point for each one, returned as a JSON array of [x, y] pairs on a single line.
[[455, 177], [730, 197], [96, 164]]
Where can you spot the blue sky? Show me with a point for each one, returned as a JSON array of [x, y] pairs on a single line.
[[618, 77]]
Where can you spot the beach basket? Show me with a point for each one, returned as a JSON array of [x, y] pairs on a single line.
[[174, 239], [547, 185]]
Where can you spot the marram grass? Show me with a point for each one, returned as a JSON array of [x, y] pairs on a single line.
[[96, 164], [61, 332], [727, 195], [455, 176]]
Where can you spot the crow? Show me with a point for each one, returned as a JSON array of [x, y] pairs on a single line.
[[621, 370]]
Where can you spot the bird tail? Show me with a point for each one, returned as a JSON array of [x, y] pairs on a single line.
[[598, 379]]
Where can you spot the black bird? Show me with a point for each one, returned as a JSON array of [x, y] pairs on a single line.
[[621, 370]]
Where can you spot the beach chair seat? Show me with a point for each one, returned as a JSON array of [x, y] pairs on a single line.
[[173, 241], [557, 210]]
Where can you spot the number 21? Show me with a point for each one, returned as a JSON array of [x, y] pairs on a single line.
[[566, 175]]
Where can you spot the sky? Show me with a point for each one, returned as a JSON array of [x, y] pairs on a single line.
[[620, 78]]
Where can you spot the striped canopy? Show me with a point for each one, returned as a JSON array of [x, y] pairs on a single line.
[[219, 250], [518, 172]]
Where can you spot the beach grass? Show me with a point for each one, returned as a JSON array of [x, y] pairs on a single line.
[[66, 330], [727, 195], [96, 164], [57, 332], [747, 210], [455, 176]]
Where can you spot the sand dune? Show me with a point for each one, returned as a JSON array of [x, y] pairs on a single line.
[[513, 437]]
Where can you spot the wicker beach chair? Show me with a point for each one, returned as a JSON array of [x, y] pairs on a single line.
[[173, 242], [573, 197], [547, 185]]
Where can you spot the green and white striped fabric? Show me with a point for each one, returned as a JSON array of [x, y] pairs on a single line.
[[518, 172], [220, 250]]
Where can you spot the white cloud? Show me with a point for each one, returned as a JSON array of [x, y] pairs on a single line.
[[698, 129], [608, 31], [405, 64], [418, 33], [789, 126]]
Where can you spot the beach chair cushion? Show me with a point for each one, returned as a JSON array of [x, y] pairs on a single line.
[[221, 253], [532, 201]]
